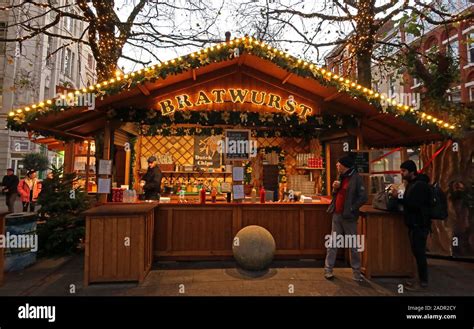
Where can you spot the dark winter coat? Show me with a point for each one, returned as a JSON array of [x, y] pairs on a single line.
[[356, 195], [417, 202]]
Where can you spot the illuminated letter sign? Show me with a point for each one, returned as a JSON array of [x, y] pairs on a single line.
[[235, 96]]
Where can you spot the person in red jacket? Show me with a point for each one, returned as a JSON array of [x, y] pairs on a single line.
[[29, 188]]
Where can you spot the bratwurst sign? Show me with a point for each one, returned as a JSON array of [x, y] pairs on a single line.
[[235, 96]]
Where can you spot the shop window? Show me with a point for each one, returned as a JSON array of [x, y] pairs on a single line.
[[454, 95], [470, 47]]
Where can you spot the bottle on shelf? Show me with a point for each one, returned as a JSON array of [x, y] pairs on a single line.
[[203, 194], [213, 195], [262, 195], [253, 195]]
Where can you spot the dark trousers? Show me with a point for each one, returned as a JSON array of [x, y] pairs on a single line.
[[418, 236], [10, 199], [31, 204]]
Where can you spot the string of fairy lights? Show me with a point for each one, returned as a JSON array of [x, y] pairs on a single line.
[[121, 80]]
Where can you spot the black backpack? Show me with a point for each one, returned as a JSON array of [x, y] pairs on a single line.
[[439, 203]]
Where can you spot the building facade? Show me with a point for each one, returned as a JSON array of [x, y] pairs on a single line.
[[33, 71], [456, 38]]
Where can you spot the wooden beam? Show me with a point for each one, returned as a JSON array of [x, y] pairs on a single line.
[[410, 140], [287, 78], [272, 81], [241, 60], [194, 74], [106, 152], [143, 89], [333, 96], [377, 116], [82, 117], [381, 132]]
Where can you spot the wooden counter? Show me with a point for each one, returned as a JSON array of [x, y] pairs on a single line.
[[119, 242], [387, 248], [203, 232]]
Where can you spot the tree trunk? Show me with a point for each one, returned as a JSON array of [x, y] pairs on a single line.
[[450, 166], [364, 70]]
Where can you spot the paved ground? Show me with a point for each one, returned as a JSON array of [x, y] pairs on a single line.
[[3, 207], [296, 278]]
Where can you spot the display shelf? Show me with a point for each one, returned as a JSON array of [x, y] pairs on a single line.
[[309, 168]]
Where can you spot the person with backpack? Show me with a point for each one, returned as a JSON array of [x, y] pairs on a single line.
[[417, 204]]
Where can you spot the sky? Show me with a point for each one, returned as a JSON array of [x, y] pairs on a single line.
[[240, 17]]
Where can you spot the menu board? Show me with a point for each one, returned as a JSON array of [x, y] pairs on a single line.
[[206, 151], [237, 144], [362, 162]]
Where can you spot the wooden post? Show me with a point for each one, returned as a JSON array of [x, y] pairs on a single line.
[[69, 157], [328, 169], [106, 154], [127, 166]]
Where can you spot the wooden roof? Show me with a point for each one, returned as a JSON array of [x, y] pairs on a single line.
[[378, 129]]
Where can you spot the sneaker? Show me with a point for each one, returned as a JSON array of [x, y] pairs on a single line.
[[328, 276], [357, 277], [417, 286], [409, 283]]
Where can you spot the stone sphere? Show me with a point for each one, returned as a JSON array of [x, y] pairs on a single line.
[[253, 248]]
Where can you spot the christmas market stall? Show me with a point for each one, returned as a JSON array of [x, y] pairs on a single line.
[[295, 117]]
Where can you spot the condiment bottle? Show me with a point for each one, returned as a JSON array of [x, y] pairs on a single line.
[[262, 195]]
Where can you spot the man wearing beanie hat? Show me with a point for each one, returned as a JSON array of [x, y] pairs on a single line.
[[152, 180], [416, 208], [349, 194]]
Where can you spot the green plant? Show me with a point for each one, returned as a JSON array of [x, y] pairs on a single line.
[[62, 204], [36, 161]]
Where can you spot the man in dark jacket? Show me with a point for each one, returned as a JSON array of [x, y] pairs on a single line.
[[10, 188], [416, 207], [152, 180], [349, 194]]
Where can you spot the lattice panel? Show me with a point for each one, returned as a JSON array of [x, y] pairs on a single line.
[[291, 146], [180, 147]]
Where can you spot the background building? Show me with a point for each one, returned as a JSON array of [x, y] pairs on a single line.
[[459, 37], [33, 70]]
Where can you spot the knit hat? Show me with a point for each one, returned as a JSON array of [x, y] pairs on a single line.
[[409, 165], [347, 161], [151, 159]]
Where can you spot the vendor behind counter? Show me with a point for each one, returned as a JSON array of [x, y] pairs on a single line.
[[151, 181]]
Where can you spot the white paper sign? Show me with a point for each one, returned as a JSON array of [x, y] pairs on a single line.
[[238, 192], [103, 185], [105, 167], [238, 174], [225, 187]]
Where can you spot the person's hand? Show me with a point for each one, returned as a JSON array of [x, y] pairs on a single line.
[[336, 184], [142, 183], [394, 192], [5, 190]]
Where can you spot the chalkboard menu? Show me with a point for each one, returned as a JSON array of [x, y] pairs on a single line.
[[237, 144], [362, 162]]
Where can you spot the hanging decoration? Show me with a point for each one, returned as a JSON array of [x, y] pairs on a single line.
[[19, 118]]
